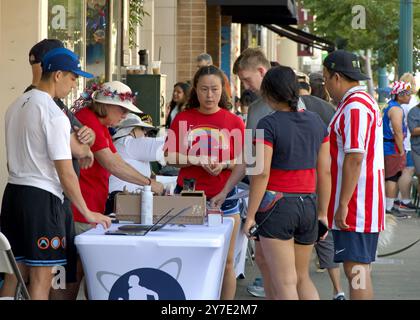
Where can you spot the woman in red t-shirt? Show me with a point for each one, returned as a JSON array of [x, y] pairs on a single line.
[[204, 140]]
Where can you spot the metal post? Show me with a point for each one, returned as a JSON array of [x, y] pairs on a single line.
[[382, 84], [405, 57]]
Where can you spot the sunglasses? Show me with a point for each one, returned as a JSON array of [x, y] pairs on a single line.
[[405, 93]]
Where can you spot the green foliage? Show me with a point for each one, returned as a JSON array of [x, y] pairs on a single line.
[[334, 22], [136, 16]]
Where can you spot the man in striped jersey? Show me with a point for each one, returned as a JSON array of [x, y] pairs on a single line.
[[356, 211]]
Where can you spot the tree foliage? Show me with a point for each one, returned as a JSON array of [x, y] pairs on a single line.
[[136, 16], [334, 22]]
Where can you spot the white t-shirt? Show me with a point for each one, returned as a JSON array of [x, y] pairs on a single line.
[[37, 133], [138, 153], [407, 107]]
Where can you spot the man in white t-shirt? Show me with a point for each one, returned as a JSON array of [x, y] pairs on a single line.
[[40, 168]]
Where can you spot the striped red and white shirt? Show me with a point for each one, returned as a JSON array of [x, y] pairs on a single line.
[[357, 127]]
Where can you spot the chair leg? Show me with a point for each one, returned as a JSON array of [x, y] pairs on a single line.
[[21, 289]]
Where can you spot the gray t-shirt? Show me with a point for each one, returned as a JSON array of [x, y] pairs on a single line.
[[256, 111], [413, 121]]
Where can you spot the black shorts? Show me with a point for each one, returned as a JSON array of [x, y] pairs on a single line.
[[33, 220], [291, 217]]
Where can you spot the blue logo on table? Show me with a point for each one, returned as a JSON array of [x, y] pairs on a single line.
[[146, 284]]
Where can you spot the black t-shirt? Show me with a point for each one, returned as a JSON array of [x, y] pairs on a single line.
[[296, 138], [324, 109]]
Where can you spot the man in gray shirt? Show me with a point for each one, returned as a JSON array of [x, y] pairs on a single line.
[[413, 122]]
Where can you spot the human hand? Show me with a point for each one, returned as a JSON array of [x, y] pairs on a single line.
[[87, 162], [85, 135], [98, 218], [249, 223], [340, 217], [157, 187], [217, 200]]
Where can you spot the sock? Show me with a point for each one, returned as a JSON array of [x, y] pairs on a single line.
[[406, 201], [339, 294], [389, 203]]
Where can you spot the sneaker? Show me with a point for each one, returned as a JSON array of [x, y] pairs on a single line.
[[396, 213], [340, 296], [256, 291], [397, 204], [407, 207]]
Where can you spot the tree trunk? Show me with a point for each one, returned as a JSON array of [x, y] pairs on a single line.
[[368, 65]]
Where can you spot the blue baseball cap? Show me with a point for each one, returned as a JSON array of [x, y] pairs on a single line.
[[62, 59]]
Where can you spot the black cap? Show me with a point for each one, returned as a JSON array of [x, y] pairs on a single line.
[[39, 50], [346, 63]]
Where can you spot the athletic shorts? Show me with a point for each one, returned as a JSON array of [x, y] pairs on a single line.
[[325, 252], [33, 220], [291, 217], [355, 246]]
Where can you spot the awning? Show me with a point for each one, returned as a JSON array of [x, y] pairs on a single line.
[[300, 36], [282, 12]]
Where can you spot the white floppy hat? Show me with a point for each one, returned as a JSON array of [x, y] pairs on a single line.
[[128, 124], [116, 93]]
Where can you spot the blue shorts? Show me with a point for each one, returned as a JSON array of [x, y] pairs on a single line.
[[355, 246], [410, 162], [229, 207]]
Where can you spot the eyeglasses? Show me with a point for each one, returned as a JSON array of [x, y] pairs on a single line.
[[405, 93]]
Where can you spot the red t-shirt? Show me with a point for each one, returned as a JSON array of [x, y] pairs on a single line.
[[94, 182], [220, 135]]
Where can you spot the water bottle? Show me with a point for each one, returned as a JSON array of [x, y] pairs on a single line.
[[147, 206]]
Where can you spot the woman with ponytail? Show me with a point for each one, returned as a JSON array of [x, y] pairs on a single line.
[[292, 193]]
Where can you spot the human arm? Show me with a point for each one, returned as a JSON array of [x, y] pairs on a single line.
[[258, 184], [238, 173], [122, 170], [396, 116], [70, 184], [351, 172], [323, 182]]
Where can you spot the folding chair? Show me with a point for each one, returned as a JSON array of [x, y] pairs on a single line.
[[8, 265]]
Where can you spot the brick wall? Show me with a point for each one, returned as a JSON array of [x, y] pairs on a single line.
[[191, 36], [213, 33]]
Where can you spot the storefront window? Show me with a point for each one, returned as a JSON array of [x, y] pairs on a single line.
[[96, 24], [83, 25], [66, 23]]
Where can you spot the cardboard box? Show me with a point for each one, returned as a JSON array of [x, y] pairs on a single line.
[[128, 207], [196, 215]]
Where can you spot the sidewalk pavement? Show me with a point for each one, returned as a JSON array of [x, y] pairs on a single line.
[[395, 277]]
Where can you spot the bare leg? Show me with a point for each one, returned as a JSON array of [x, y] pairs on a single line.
[[229, 278], [391, 189], [360, 283], [40, 282], [305, 286], [334, 274], [72, 289], [404, 182], [10, 281], [280, 257], [265, 272]]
